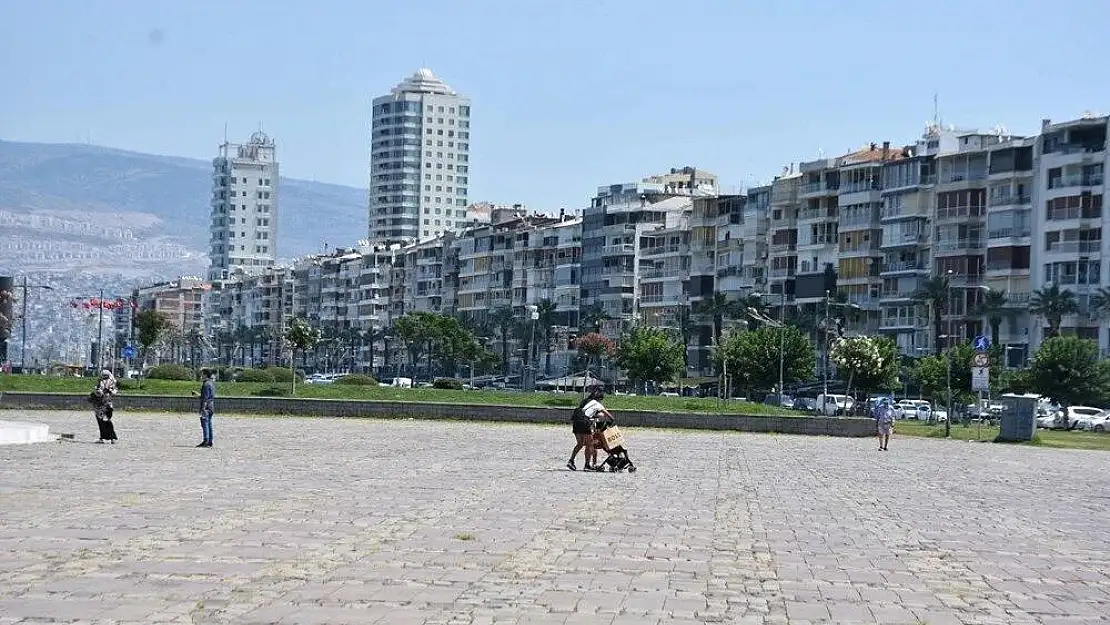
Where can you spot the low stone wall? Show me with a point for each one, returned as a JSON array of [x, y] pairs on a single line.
[[819, 426]]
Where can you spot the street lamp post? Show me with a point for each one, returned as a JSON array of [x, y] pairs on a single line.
[[23, 322], [782, 338]]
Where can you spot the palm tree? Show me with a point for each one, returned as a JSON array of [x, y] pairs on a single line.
[[935, 292], [548, 317], [1100, 302], [717, 307], [1053, 303], [684, 323], [593, 317], [993, 308], [503, 320]]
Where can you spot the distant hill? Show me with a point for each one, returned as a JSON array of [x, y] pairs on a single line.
[[112, 209]]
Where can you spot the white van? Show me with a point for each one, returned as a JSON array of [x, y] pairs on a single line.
[[402, 383], [833, 405]]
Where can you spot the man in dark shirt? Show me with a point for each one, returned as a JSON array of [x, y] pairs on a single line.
[[207, 406]]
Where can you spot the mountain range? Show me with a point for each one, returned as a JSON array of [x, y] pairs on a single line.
[[64, 206]]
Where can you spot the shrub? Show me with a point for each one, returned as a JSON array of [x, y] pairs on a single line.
[[256, 375], [450, 384], [356, 379], [170, 372], [281, 374]]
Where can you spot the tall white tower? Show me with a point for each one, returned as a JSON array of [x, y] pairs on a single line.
[[419, 160], [244, 208]]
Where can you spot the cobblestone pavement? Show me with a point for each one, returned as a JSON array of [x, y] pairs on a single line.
[[349, 521]]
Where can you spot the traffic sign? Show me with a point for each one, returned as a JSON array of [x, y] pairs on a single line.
[[980, 378], [981, 343], [981, 360], [128, 351]]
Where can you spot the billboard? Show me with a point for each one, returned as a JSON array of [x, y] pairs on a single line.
[[7, 297]]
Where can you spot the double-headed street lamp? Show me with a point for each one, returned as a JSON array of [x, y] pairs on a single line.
[[23, 347]]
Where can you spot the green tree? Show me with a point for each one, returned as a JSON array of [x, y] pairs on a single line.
[[1053, 304], [753, 357], [993, 309], [650, 355], [717, 307], [867, 363], [149, 326], [932, 373], [301, 337], [1100, 302], [936, 293], [1068, 371], [503, 321]]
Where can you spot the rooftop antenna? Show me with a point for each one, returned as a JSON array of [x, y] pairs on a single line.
[[936, 107], [225, 132]]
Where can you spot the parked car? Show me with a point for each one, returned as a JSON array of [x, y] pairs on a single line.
[[833, 405], [1086, 420], [1101, 423], [1068, 419], [784, 401]]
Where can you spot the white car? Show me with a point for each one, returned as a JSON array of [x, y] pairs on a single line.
[[1086, 420], [1101, 423], [1073, 415]]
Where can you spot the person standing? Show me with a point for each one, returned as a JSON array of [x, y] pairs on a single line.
[[101, 399], [207, 406], [885, 422]]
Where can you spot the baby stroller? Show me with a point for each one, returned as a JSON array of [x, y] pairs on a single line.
[[618, 459]]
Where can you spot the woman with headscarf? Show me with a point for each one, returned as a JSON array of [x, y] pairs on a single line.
[[102, 401]]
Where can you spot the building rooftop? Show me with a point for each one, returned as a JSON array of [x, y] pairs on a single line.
[[423, 81]]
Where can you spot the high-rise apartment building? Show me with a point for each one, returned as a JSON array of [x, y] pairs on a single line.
[[244, 208], [419, 161]]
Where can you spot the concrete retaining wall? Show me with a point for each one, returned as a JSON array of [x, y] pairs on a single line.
[[819, 426]]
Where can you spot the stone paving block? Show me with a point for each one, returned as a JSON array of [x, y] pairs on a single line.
[[437, 527]]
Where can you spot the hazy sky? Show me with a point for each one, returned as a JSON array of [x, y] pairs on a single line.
[[567, 95]]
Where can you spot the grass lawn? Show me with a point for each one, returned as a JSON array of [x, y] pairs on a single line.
[[1043, 438], [44, 384]]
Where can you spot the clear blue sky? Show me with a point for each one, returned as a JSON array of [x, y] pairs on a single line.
[[567, 95]]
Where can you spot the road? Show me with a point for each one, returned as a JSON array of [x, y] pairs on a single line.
[[290, 520]]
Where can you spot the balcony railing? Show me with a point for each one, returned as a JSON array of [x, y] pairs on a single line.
[[817, 187], [1012, 232], [900, 294], [781, 273], [959, 244], [623, 248], [960, 212], [1010, 200], [1075, 180], [906, 265], [820, 213], [902, 322], [1004, 265], [1073, 247], [962, 176], [783, 247], [860, 187], [663, 273], [662, 249]]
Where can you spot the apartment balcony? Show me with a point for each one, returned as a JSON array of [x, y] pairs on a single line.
[[781, 273], [950, 247], [902, 295], [1010, 200], [903, 239], [617, 250], [821, 214], [666, 299], [959, 177], [818, 242], [903, 267], [660, 250], [999, 268], [1075, 247], [654, 274], [902, 323], [857, 223], [864, 186], [862, 250], [898, 213], [1075, 180], [1018, 300], [784, 247], [816, 188], [865, 302], [1008, 235], [960, 213]]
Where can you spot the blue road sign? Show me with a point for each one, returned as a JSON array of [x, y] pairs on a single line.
[[981, 343], [129, 352]]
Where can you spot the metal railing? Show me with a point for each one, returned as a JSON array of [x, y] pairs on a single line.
[[1076, 247], [1009, 233], [960, 212], [1076, 180], [904, 265]]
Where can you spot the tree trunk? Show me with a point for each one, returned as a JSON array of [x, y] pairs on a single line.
[[996, 330]]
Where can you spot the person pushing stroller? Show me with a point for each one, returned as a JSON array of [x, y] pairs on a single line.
[[583, 424]]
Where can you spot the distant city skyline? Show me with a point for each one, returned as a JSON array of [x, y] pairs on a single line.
[[569, 95]]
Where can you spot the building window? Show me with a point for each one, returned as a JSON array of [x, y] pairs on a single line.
[[438, 199], [440, 132], [428, 153], [427, 187]]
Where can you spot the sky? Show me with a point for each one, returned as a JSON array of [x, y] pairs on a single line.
[[566, 95]]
